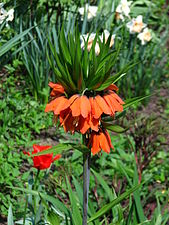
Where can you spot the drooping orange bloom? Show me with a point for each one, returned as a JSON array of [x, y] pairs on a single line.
[[57, 89], [83, 113], [100, 140]]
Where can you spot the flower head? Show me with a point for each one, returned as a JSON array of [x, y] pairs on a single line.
[[136, 25], [100, 140], [123, 9], [145, 36], [10, 15], [83, 112], [91, 37], [42, 162], [90, 10], [83, 95], [4, 14], [106, 34]]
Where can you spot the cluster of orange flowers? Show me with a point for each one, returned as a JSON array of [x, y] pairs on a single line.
[[83, 113]]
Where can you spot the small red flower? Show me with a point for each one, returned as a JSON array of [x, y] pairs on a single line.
[[42, 162]]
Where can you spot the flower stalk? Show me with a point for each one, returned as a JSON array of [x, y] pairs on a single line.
[[86, 179]]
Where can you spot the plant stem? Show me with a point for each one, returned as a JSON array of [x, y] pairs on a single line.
[[86, 178], [26, 205], [36, 179], [34, 188]]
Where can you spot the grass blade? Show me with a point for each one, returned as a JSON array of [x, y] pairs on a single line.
[[116, 201]]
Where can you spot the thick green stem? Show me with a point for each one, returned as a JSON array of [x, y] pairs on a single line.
[[86, 178]]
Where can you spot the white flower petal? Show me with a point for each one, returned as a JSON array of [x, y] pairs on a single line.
[[90, 10], [10, 15], [145, 36]]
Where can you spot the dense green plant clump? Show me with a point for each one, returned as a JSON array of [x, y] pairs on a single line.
[[18, 121], [84, 46]]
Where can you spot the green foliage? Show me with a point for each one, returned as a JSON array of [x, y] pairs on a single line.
[[35, 60], [18, 116], [10, 216], [74, 67], [18, 121], [59, 199]]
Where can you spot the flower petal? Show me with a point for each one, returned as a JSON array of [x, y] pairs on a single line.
[[73, 98], [56, 87], [103, 105], [95, 144], [83, 125], [75, 107], [62, 105], [51, 106], [85, 106], [103, 142], [116, 97], [106, 98], [108, 138], [94, 123], [96, 110], [112, 87], [58, 156], [117, 106]]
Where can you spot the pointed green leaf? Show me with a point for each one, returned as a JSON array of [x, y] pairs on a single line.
[[116, 201], [56, 203], [63, 46], [134, 100], [55, 150], [114, 128], [74, 205], [116, 77], [53, 218], [27, 191], [10, 216], [80, 147], [11, 43]]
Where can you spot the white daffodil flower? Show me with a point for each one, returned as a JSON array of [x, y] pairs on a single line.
[[145, 36], [136, 25], [91, 39], [4, 14], [90, 42], [123, 9], [119, 16], [106, 34], [10, 15], [90, 10]]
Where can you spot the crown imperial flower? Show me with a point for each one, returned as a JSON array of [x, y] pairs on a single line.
[[83, 113], [84, 93]]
